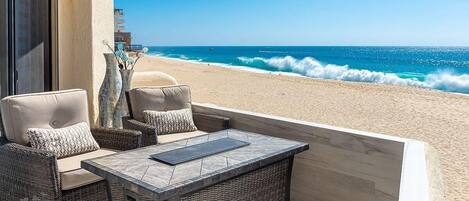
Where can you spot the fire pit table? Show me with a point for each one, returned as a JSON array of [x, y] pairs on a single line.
[[225, 165]]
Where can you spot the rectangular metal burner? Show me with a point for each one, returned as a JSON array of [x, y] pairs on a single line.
[[197, 151]]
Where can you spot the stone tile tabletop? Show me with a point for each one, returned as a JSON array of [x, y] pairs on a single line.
[[136, 171]]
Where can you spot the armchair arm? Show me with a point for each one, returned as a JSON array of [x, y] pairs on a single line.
[[28, 174], [118, 139], [149, 136], [210, 123]]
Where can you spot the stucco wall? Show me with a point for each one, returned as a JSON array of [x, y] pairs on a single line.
[[83, 25]]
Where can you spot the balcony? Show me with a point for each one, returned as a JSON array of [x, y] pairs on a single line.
[[120, 21], [341, 164], [119, 28]]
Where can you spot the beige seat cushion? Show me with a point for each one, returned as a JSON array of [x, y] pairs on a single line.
[[158, 99], [179, 136], [71, 174], [56, 109]]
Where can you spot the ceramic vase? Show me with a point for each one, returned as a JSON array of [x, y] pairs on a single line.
[[109, 92], [122, 109]]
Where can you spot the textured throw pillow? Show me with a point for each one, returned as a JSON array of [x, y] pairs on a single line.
[[173, 121], [63, 142]]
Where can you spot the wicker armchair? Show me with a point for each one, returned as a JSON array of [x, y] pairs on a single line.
[[163, 99], [31, 174]]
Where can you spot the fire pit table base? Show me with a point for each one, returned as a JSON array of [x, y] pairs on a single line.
[[270, 183]]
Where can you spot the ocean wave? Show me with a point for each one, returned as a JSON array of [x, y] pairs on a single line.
[[310, 67], [448, 81]]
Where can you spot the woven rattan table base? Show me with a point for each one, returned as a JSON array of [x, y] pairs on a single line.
[[270, 183]]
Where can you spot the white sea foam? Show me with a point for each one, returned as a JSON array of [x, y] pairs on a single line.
[[243, 68], [448, 81], [311, 67]]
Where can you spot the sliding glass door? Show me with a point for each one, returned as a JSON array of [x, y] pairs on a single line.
[[32, 45], [28, 30]]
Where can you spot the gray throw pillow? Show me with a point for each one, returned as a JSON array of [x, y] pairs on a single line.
[[173, 121], [63, 142]]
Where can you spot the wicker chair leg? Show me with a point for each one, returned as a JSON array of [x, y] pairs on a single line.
[[116, 191], [93, 192]]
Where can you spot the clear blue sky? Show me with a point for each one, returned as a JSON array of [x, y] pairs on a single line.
[[298, 22]]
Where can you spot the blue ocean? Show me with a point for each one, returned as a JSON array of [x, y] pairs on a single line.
[[440, 68]]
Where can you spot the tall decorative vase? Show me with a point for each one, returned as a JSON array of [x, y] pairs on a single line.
[[121, 107], [109, 92]]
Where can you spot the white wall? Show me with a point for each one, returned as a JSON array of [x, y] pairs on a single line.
[[83, 25]]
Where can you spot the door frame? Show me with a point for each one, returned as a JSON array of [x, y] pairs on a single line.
[[54, 46], [4, 43], [10, 47]]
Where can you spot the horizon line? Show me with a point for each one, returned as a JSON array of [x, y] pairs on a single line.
[[427, 46]]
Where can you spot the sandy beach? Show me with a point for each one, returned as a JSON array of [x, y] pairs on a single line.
[[438, 118]]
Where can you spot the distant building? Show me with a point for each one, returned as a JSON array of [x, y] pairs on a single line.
[[119, 20], [122, 38]]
